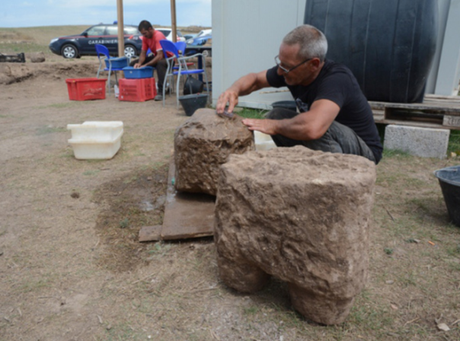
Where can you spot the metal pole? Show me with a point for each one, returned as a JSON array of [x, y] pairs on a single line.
[[173, 20], [121, 35]]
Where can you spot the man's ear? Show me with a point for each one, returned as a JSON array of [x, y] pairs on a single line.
[[315, 62]]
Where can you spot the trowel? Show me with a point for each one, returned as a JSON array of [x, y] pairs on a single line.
[[226, 114]]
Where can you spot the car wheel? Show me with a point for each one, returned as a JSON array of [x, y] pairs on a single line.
[[130, 51], [69, 51]]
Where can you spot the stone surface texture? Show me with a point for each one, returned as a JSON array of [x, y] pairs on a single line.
[[202, 144], [299, 215]]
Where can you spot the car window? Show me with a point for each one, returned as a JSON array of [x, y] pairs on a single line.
[[96, 31], [203, 33], [131, 30], [165, 32], [112, 30]]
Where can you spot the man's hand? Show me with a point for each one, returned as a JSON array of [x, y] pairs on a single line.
[[242, 87], [137, 66], [230, 97], [263, 125]]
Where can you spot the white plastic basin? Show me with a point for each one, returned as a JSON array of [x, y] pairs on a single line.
[[96, 139], [263, 141], [100, 130]]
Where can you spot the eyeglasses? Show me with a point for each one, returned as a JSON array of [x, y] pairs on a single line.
[[286, 71]]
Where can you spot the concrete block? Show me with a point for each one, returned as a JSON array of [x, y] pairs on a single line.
[[424, 142]]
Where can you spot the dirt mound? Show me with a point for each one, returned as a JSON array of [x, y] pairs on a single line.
[[131, 202], [14, 37], [18, 72], [193, 28]]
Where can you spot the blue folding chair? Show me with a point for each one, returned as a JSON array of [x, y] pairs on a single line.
[[181, 46], [169, 46], [102, 52]]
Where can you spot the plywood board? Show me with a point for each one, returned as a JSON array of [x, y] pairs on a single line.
[[187, 215]]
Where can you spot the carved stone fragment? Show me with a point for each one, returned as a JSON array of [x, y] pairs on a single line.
[[302, 216], [202, 144]]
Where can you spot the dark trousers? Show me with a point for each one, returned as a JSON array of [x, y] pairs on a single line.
[[337, 139], [161, 68]]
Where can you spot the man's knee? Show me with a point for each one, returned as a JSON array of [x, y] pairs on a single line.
[[162, 64]]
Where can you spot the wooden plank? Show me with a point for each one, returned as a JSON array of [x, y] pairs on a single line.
[[441, 108], [451, 121], [413, 115], [434, 112], [187, 215], [433, 97], [416, 124]]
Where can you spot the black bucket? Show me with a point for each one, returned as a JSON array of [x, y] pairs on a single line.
[[193, 102], [449, 180], [193, 86], [285, 104]]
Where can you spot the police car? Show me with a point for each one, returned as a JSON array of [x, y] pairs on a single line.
[[106, 34]]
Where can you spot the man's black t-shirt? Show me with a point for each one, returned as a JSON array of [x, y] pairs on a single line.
[[336, 83]]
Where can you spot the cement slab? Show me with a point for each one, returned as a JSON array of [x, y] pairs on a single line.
[[423, 142]]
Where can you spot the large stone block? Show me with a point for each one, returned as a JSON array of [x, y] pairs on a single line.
[[202, 144], [299, 215]]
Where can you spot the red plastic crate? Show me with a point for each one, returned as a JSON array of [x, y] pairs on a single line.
[[84, 89], [137, 90]]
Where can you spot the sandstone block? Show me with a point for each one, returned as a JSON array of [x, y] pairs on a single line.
[[299, 215], [202, 144]]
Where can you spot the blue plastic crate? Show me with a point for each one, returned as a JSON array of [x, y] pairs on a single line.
[[143, 72], [117, 63]]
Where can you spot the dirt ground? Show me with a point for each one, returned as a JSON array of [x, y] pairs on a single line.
[[71, 267]]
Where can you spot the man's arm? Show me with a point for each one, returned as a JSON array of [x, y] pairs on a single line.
[[154, 61], [243, 86], [141, 59], [310, 125]]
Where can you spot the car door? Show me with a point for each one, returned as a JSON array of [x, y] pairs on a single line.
[[94, 35], [166, 33], [111, 39]]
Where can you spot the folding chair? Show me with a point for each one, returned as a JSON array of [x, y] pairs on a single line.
[[181, 46], [169, 46], [102, 52]]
